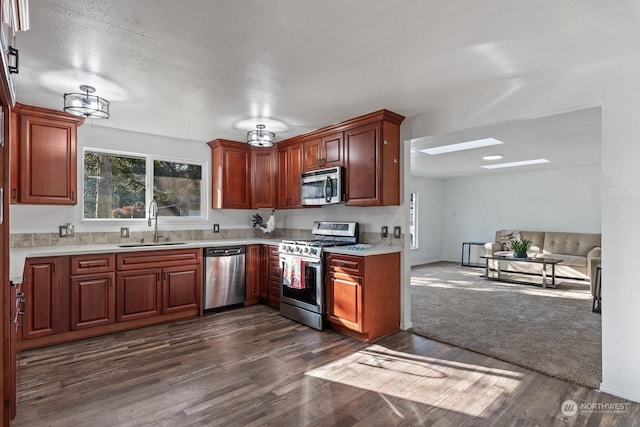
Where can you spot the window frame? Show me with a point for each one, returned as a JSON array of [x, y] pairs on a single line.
[[149, 168], [414, 242]]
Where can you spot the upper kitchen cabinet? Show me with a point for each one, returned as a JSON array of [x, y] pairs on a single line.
[[372, 160], [43, 156], [290, 158], [263, 177], [230, 174], [323, 152]]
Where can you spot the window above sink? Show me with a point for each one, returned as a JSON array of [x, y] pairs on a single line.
[[118, 187]]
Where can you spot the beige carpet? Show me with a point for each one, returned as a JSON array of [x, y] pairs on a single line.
[[552, 331]]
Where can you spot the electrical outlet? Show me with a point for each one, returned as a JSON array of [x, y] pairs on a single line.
[[216, 228], [124, 232], [385, 231], [397, 232]]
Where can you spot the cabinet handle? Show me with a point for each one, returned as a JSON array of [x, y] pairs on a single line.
[[163, 276], [73, 195], [158, 276], [20, 313], [19, 294], [15, 193], [54, 267]]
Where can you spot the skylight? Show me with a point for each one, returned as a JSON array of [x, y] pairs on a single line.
[[486, 142], [513, 164]]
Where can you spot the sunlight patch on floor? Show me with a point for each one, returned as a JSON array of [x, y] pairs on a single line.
[[421, 379]]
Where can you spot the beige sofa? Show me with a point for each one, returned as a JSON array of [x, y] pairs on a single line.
[[580, 252]]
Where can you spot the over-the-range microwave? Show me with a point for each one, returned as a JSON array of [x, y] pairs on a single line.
[[322, 187]]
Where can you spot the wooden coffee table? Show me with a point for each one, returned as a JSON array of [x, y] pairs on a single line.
[[544, 261]]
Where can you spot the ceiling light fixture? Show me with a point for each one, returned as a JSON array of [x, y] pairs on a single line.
[[86, 105], [462, 146], [260, 137], [513, 164], [492, 157]]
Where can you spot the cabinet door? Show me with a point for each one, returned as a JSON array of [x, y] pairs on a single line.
[[295, 170], [312, 154], [181, 288], [92, 300], [41, 294], [253, 275], [47, 161], [290, 162], [237, 193], [263, 178], [274, 277], [363, 165], [344, 301], [332, 154], [138, 294], [266, 270]]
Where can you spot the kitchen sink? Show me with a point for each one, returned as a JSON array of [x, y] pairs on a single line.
[[135, 245]]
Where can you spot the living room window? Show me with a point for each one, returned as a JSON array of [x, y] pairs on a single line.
[[119, 186]]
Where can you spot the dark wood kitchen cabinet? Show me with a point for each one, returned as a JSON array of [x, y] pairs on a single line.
[[139, 294], [74, 297], [363, 294], [290, 158], [157, 282], [43, 156], [181, 288], [45, 305], [263, 177], [271, 292], [93, 295], [230, 174], [324, 152], [254, 273], [372, 162]]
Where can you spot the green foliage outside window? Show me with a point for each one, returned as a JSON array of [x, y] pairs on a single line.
[[115, 187]]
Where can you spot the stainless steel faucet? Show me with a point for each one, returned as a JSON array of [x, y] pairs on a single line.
[[153, 207]]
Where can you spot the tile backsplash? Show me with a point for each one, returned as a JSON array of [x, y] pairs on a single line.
[[32, 240]]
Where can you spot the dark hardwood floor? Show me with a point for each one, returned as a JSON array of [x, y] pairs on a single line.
[[252, 367]]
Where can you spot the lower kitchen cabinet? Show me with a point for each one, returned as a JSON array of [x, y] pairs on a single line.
[[43, 298], [93, 299], [254, 273], [73, 297], [139, 294], [363, 294], [271, 292], [180, 288]]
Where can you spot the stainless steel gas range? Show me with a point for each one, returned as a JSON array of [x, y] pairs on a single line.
[[302, 294]]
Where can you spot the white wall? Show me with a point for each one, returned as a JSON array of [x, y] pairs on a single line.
[[475, 208], [620, 234], [46, 219], [430, 211]]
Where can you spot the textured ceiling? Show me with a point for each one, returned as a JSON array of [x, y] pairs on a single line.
[[203, 69]]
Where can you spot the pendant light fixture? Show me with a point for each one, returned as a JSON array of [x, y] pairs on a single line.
[[85, 104], [260, 137]]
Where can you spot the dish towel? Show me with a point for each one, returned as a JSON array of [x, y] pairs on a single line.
[[292, 276]]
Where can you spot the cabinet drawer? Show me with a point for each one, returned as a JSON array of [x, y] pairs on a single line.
[[346, 264], [164, 258], [98, 263]]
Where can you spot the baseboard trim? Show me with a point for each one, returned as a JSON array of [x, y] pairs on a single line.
[[632, 395], [405, 326]]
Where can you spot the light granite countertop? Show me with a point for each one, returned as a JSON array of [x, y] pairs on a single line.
[[19, 255]]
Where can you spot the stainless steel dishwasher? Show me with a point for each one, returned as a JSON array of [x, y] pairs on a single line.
[[224, 276]]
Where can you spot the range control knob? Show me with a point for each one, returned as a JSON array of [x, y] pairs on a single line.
[[298, 250], [313, 251], [306, 250]]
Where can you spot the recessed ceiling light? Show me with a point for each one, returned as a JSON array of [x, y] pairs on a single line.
[[492, 157], [512, 164], [462, 146]]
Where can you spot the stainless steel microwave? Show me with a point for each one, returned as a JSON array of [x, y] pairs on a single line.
[[322, 187]]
